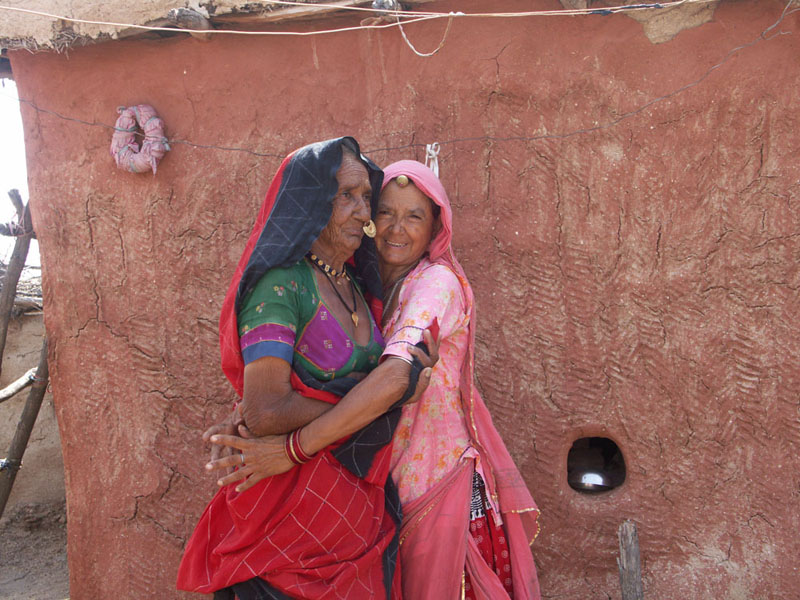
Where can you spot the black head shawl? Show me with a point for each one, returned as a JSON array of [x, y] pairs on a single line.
[[296, 209], [302, 208]]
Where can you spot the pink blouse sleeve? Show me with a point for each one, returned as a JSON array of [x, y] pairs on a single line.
[[433, 293]]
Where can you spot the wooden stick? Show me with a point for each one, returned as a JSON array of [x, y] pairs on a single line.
[[16, 200], [630, 571], [13, 462], [16, 387], [15, 266], [24, 304]]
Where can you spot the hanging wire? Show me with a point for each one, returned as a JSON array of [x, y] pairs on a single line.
[[435, 50], [627, 115], [763, 36], [396, 19], [215, 31], [412, 16]]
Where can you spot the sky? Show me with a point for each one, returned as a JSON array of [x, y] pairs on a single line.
[[13, 172]]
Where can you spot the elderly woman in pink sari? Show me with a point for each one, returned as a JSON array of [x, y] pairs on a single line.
[[468, 517]]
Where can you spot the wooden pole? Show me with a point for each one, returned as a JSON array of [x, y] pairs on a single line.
[[11, 464], [15, 266], [630, 570]]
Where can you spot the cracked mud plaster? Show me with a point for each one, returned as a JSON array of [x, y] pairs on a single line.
[[660, 25]]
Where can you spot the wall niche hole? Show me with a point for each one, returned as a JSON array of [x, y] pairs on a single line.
[[595, 465]]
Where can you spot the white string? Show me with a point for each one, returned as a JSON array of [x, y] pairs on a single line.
[[575, 12], [550, 136], [215, 31], [432, 157], [569, 12], [411, 16], [435, 50], [373, 11]]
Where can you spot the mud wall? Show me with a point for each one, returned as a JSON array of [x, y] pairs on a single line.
[[627, 213]]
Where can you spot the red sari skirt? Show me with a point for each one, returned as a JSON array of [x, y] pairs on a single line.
[[315, 532]]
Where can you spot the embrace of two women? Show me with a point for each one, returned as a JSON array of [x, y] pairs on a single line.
[[362, 462]]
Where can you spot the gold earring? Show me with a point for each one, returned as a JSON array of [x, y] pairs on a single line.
[[369, 229]]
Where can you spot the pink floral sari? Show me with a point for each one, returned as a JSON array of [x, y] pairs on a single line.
[[448, 435]]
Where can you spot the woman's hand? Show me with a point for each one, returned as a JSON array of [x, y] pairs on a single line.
[[428, 361], [227, 427], [432, 357], [253, 458]]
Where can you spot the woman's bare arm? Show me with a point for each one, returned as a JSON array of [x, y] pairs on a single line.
[[269, 404], [367, 401], [372, 397]]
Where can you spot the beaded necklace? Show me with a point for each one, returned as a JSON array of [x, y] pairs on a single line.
[[326, 269]]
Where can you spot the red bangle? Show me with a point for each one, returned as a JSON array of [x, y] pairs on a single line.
[[293, 449], [298, 450]]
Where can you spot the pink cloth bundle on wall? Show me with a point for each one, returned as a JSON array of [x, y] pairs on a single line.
[[124, 148]]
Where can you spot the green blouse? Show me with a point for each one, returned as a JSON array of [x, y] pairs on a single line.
[[284, 316]]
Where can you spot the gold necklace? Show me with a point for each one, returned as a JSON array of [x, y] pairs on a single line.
[[353, 311], [326, 268]]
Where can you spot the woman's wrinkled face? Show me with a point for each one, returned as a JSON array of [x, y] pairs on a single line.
[[405, 225], [351, 207]]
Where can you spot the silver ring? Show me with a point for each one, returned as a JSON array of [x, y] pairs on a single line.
[[242, 456]]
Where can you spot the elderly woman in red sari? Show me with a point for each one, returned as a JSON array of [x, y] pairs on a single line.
[[296, 335], [468, 518]]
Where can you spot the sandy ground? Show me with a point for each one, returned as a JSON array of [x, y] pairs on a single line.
[[33, 553]]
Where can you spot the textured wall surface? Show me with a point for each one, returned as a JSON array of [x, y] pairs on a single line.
[[627, 213]]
